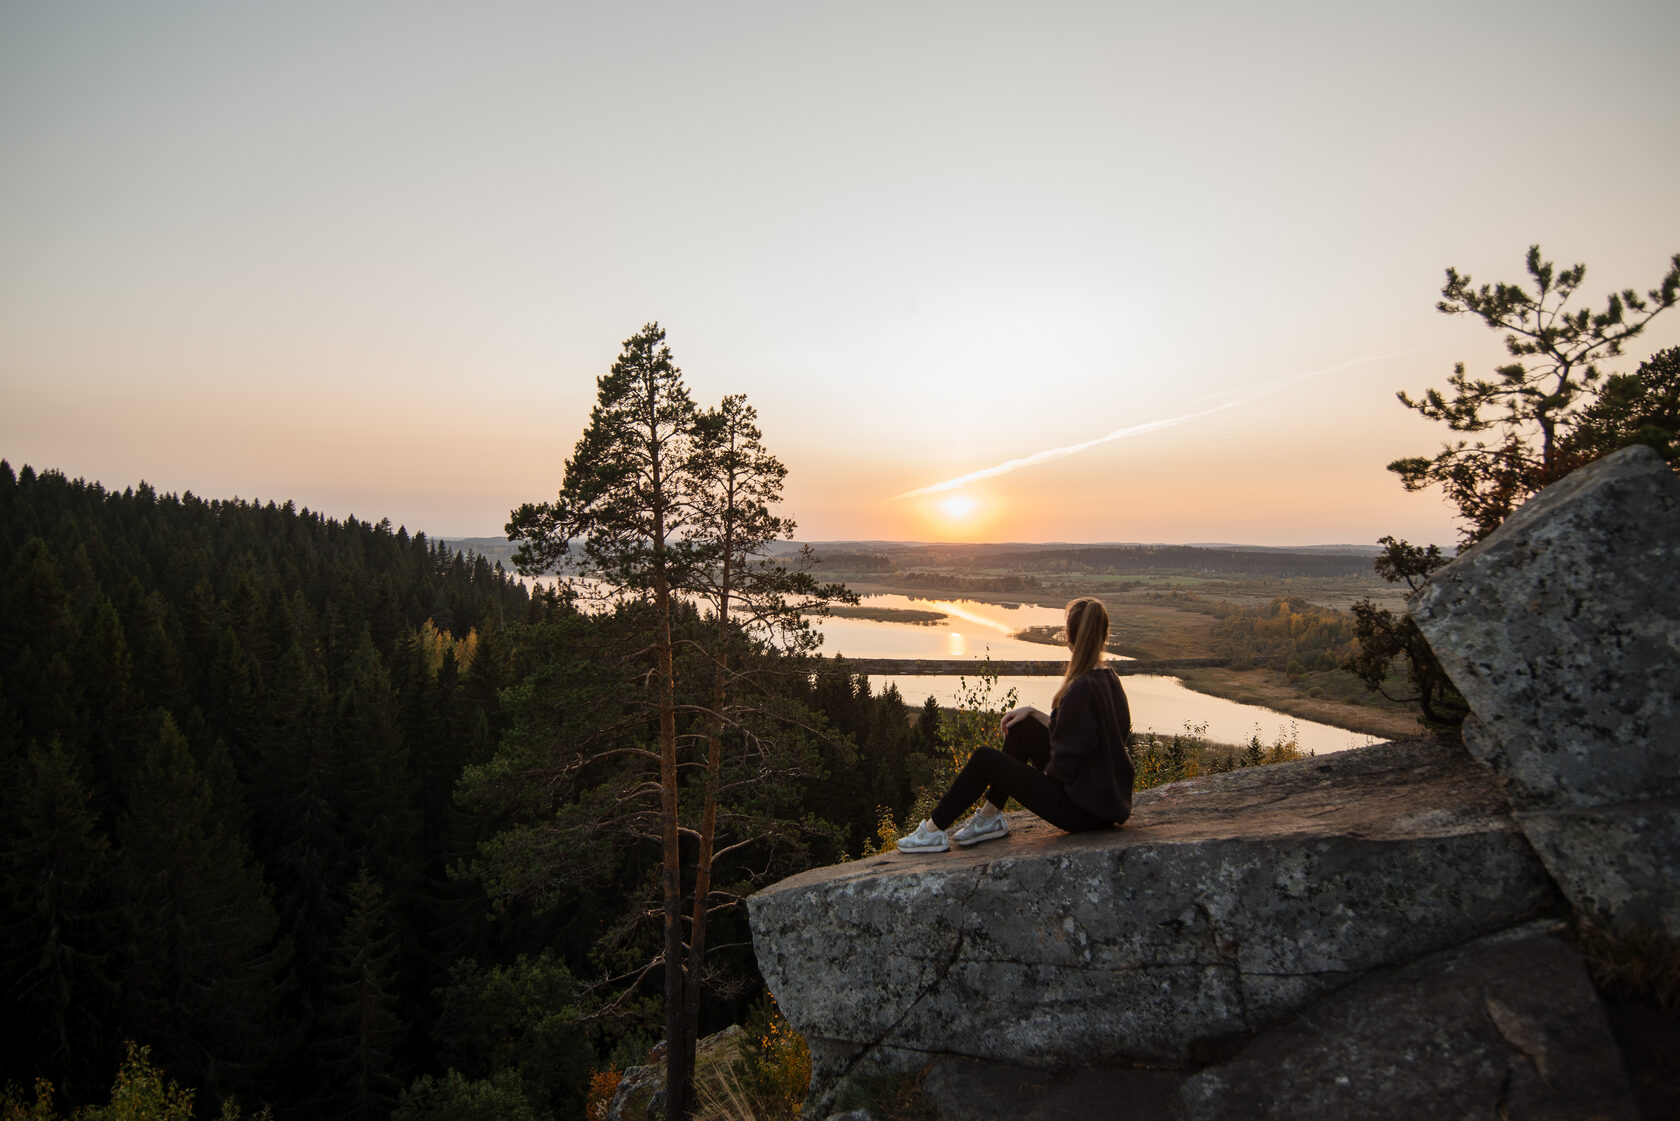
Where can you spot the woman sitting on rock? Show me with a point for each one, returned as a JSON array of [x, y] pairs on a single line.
[[1069, 767]]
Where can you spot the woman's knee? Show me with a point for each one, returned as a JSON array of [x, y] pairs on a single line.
[[1027, 743]]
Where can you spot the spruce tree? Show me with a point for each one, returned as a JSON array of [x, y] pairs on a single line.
[[361, 1031], [58, 942], [205, 954]]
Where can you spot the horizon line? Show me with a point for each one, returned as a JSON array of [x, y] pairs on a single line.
[[884, 541]]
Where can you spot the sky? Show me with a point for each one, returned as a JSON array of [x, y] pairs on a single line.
[[373, 257]]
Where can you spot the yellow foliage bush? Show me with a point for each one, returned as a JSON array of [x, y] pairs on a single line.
[[603, 1084]]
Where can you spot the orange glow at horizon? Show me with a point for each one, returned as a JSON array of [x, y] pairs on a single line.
[[958, 506], [967, 515]]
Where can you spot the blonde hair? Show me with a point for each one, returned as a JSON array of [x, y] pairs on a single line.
[[1087, 635]]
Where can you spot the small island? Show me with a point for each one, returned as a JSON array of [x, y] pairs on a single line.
[[912, 615]]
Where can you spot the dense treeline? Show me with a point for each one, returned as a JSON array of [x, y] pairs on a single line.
[[231, 737], [1104, 559], [1287, 634], [846, 560], [959, 582]]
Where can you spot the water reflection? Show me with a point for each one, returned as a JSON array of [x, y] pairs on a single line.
[[1160, 704], [868, 638]]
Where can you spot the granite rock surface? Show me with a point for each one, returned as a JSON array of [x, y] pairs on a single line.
[[1562, 630], [1507, 1027], [1225, 905]]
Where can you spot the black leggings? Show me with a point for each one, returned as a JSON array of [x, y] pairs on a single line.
[[1015, 772]]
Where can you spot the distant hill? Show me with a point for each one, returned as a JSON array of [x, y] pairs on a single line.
[[1040, 546], [492, 549], [882, 556], [1314, 560]]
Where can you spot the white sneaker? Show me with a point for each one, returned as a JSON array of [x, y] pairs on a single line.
[[980, 829], [925, 839]]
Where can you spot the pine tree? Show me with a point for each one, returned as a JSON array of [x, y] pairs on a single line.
[[205, 956], [1638, 408], [361, 1032], [1536, 401], [59, 933], [1546, 413], [244, 623], [37, 634], [522, 1020], [295, 821], [628, 492], [375, 788], [738, 482]]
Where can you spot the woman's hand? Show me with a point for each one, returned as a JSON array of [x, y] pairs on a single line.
[[1016, 715]]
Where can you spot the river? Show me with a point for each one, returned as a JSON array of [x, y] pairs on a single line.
[[973, 629]]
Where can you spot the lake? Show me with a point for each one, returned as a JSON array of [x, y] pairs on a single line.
[[974, 630]]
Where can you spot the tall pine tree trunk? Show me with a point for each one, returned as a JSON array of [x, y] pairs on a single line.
[[714, 762], [678, 1060], [708, 831]]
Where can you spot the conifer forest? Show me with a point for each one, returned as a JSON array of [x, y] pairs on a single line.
[[316, 810]]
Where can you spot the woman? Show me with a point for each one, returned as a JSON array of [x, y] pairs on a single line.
[[1071, 767]]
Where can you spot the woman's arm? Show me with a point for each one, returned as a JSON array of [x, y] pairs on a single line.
[[1016, 715]]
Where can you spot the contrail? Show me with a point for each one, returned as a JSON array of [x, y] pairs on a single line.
[[1130, 430]]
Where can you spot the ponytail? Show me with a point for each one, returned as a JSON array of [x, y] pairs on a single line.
[[1087, 634]]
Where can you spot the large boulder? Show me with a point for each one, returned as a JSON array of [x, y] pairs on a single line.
[[1562, 630], [1224, 906], [1466, 1032], [1507, 1027]]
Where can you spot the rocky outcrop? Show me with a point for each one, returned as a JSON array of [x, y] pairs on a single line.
[[1562, 630], [1508, 1026], [1377, 933], [1224, 906]]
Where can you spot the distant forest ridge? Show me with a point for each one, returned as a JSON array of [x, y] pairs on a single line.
[[1099, 558], [898, 556]]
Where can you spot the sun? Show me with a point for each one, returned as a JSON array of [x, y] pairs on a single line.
[[958, 506]]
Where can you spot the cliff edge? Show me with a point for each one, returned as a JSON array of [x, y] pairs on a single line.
[[1373, 933]]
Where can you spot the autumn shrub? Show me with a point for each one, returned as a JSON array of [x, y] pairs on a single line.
[[603, 1084], [771, 1080], [779, 1061]]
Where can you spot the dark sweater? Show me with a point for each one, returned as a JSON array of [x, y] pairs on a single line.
[[1088, 735]]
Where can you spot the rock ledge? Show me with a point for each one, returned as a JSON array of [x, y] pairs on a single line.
[[1225, 905]]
